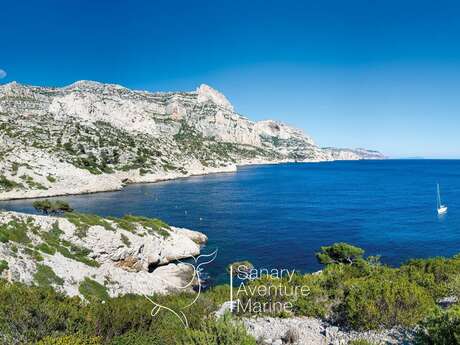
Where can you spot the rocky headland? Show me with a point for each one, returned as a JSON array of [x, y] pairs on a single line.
[[118, 255], [92, 137]]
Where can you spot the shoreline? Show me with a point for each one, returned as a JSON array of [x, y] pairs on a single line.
[[118, 181]]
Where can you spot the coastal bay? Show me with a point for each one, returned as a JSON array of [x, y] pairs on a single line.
[[277, 216]]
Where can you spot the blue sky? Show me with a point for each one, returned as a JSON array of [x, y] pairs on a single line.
[[377, 74]]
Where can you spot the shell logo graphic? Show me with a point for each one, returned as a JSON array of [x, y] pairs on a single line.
[[198, 263]]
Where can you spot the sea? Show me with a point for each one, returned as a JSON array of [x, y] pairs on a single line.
[[278, 216]]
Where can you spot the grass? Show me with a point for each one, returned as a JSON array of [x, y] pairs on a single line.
[[7, 185], [84, 221], [125, 240], [32, 183], [152, 225], [15, 231], [33, 253], [45, 277], [77, 253], [91, 290], [53, 243], [43, 247], [124, 224], [3, 266], [51, 179]]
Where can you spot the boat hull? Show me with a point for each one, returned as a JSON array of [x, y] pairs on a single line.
[[442, 210]]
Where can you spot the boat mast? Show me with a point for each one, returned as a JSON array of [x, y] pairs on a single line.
[[439, 197]]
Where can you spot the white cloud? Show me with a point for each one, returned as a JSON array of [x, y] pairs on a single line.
[[2, 73]]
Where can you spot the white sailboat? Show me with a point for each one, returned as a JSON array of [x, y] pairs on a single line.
[[442, 209]]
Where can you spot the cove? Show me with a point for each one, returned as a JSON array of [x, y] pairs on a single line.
[[278, 216]]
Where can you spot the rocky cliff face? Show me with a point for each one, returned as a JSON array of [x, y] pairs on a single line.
[[89, 137], [78, 252]]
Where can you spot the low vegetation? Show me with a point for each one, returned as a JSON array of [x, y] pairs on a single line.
[[152, 225], [83, 221], [41, 316], [3, 266], [45, 277], [361, 293], [48, 206], [15, 231], [7, 185], [53, 243], [352, 290], [92, 290], [443, 327]]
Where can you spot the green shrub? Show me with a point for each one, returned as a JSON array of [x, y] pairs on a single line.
[[223, 331], [51, 179], [43, 247], [84, 221], [339, 253], [27, 314], [136, 338], [45, 276], [48, 206], [8, 185], [360, 342], [438, 275], [384, 301], [125, 240], [440, 328], [3, 266], [70, 340], [15, 231], [91, 290]]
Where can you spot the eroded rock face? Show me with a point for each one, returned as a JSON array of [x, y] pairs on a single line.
[[90, 137], [132, 256]]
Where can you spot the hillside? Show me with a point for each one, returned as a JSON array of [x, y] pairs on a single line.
[[90, 137]]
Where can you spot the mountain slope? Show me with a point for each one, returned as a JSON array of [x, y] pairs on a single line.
[[90, 137]]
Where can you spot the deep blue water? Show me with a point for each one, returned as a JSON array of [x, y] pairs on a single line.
[[277, 216]]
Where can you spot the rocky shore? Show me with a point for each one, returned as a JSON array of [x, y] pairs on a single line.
[[92, 137], [121, 255]]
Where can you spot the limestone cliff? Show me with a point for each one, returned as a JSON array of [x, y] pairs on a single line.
[[90, 137], [119, 255]]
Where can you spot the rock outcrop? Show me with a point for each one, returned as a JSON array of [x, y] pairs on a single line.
[[123, 255], [311, 331], [90, 137]]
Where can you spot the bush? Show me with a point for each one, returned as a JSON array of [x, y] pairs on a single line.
[[3, 266], [339, 253], [360, 342], [136, 338], [438, 275], [37, 315], [218, 332], [28, 314], [441, 328], [46, 277], [47, 206], [69, 340], [385, 301], [92, 290]]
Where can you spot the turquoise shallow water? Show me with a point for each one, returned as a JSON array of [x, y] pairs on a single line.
[[277, 216]]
